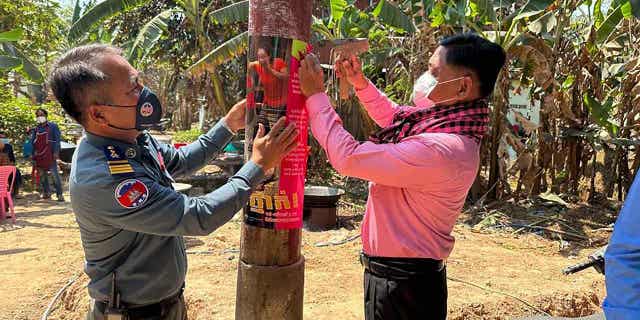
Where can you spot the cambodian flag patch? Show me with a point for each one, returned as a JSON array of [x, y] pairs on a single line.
[[131, 193]]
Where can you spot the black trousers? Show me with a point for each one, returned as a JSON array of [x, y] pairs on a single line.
[[173, 308], [404, 288]]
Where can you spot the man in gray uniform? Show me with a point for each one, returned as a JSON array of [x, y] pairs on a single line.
[[131, 219]]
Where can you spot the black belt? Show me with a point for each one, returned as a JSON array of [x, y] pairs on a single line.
[[400, 268], [157, 309]]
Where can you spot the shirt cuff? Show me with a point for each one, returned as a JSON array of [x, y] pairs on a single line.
[[251, 173], [226, 126], [316, 103], [220, 135]]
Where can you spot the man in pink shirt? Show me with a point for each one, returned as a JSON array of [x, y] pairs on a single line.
[[421, 166]]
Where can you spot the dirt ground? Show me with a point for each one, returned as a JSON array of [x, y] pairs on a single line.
[[42, 251]]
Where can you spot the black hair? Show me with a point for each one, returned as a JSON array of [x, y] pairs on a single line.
[[75, 76], [46, 114], [481, 56]]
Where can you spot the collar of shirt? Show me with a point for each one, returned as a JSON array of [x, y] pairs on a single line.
[[132, 151]]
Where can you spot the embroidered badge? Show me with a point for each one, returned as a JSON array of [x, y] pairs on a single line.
[[146, 109], [131, 193]]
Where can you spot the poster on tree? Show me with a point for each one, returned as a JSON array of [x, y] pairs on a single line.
[[273, 91]]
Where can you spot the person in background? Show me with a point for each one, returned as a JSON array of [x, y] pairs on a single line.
[[272, 79], [8, 158], [46, 152], [421, 167], [622, 261]]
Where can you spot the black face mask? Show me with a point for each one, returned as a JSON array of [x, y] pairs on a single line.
[[148, 110]]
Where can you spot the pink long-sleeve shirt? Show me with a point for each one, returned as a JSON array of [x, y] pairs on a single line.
[[417, 186]]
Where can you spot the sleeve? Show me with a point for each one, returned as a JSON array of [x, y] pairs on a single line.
[[142, 205], [279, 64], [379, 107], [197, 154], [55, 138], [622, 261], [9, 149], [387, 164]]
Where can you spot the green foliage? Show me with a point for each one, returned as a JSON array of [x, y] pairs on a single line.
[[11, 36], [609, 25], [15, 60], [18, 114], [99, 13], [230, 49], [337, 9], [392, 15], [601, 113], [41, 25], [400, 90], [237, 12], [149, 35], [187, 136]]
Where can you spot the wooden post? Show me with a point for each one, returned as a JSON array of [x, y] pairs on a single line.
[[271, 267]]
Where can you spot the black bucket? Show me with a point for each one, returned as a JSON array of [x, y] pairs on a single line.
[[321, 197]]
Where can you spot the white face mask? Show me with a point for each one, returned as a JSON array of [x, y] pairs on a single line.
[[424, 87], [4, 140], [41, 120]]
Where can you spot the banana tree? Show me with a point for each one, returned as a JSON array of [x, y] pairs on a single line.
[[548, 62], [189, 12], [12, 59]]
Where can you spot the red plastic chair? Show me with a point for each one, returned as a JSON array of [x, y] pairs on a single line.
[[6, 189]]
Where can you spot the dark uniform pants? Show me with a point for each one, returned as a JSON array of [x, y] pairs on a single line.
[[404, 289], [174, 311]]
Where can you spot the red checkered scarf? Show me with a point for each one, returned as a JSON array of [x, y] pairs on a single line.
[[470, 119]]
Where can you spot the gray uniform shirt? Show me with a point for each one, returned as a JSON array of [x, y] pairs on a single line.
[[132, 220]]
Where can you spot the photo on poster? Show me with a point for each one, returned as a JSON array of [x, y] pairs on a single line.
[[273, 92]]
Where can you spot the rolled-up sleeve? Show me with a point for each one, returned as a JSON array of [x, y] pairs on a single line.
[[622, 261]]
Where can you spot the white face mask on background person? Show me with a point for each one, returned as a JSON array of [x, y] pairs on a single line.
[[4, 140], [41, 119], [424, 87]]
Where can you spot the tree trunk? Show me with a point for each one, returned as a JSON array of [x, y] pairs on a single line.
[[271, 267]]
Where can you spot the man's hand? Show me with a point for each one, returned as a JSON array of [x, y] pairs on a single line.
[[268, 150], [235, 117], [311, 76], [351, 70]]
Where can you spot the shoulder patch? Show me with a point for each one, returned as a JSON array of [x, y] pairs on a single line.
[[131, 193], [117, 161]]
